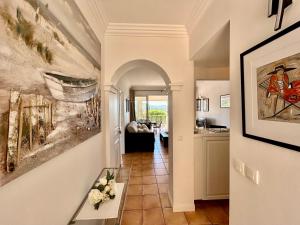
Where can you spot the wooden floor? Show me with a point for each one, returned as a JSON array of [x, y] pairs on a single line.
[[147, 201]]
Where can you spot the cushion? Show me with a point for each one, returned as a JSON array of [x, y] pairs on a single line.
[[144, 126], [132, 127], [144, 130]]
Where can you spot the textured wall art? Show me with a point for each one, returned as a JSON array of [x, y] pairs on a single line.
[[49, 89]]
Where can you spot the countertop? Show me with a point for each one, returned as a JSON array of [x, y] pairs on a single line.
[[211, 132]]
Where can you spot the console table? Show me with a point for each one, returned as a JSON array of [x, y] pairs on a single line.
[[109, 213]]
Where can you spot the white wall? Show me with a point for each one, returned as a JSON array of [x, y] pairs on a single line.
[[276, 200], [172, 55], [213, 90], [213, 19], [124, 87], [216, 73], [51, 193]]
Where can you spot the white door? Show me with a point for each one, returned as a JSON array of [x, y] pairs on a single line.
[[114, 115]]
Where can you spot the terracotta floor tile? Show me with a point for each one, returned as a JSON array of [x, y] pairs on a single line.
[[136, 173], [148, 172], [163, 188], [149, 180], [162, 179], [133, 202], [148, 166], [172, 218], [167, 166], [158, 160], [153, 217], [159, 166], [197, 217], [135, 180], [165, 202], [137, 167], [165, 156], [147, 161], [137, 162], [133, 217], [216, 214], [151, 201], [150, 189], [160, 172], [135, 189]]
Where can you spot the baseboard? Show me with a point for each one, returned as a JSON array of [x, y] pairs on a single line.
[[183, 207]]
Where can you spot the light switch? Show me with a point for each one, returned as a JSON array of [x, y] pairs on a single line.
[[239, 166], [252, 175]]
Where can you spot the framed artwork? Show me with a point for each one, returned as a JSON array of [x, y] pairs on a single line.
[[205, 104], [198, 104], [50, 93], [225, 101], [270, 85]]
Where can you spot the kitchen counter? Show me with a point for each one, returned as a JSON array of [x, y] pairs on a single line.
[[211, 164], [212, 132]]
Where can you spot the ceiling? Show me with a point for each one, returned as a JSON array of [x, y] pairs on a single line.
[[215, 53], [149, 11]]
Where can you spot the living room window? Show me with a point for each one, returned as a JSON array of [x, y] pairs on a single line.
[[152, 108]]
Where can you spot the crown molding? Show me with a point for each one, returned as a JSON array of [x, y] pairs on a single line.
[[146, 30], [197, 13]]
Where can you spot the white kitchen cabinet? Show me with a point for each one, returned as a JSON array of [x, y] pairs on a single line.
[[211, 151]]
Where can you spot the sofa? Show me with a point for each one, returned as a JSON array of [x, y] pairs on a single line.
[[138, 138]]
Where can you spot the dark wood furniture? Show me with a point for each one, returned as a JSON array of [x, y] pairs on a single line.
[[164, 137]]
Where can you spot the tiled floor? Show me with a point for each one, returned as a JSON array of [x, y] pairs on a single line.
[[147, 201]]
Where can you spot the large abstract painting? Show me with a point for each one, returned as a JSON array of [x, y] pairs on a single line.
[[270, 80], [49, 89]]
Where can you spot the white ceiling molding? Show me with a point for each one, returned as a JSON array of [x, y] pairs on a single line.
[[196, 14], [146, 30]]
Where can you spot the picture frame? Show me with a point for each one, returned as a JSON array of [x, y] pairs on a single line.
[[205, 104], [225, 101], [270, 89]]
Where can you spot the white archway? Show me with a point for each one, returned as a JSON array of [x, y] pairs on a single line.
[[126, 67]]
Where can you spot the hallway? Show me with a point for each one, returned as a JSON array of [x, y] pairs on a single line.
[[147, 201]]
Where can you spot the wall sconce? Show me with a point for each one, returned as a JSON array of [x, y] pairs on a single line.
[[277, 7]]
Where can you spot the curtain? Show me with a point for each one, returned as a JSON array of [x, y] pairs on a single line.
[[132, 105]]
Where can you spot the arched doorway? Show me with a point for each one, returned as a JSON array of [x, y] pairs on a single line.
[[133, 71], [138, 72]]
